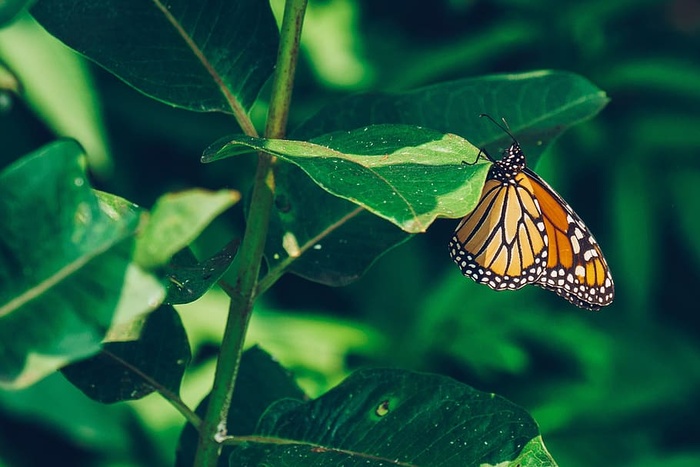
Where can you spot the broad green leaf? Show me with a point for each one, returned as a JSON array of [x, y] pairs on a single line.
[[65, 265], [408, 175], [261, 381], [213, 55], [538, 106], [131, 369], [189, 279], [394, 417], [176, 220]]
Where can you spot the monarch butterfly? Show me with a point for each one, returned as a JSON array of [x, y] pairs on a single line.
[[522, 232]]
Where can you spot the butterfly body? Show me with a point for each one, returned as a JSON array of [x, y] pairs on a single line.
[[522, 232]]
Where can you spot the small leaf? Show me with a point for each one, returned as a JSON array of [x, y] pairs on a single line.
[[405, 174], [176, 220], [65, 265], [203, 56], [155, 361], [261, 381], [189, 279], [534, 454], [394, 417]]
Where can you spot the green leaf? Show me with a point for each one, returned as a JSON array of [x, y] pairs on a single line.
[[203, 56], [538, 106], [65, 265], [534, 454], [394, 417], [261, 381], [405, 174], [9, 9], [189, 279], [155, 360], [311, 232], [176, 220]]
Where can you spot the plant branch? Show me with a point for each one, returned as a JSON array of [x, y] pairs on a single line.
[[283, 82], [171, 397], [246, 266]]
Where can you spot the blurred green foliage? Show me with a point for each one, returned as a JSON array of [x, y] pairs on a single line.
[[616, 387]]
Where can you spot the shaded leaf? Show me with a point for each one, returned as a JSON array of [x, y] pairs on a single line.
[[408, 175], [320, 237], [261, 381], [538, 106], [393, 417], [9, 9], [154, 361], [64, 265], [203, 56], [176, 220], [189, 279]]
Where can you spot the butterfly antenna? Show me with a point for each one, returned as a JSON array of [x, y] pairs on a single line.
[[503, 127]]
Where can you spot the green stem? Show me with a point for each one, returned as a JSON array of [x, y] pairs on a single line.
[[283, 82], [171, 397], [246, 267]]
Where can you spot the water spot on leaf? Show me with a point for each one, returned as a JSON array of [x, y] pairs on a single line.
[[382, 409]]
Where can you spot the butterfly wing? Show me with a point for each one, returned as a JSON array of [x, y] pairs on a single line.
[[503, 242], [576, 268]]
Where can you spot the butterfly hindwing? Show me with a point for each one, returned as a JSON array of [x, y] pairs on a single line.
[[576, 268]]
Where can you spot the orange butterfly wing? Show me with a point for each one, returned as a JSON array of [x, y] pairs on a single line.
[[522, 232], [576, 268], [502, 243]]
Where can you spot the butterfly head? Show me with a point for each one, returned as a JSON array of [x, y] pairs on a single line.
[[512, 160]]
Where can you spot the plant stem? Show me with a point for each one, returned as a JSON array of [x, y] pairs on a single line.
[[283, 82], [246, 267]]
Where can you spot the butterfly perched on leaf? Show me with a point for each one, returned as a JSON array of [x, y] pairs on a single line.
[[522, 232]]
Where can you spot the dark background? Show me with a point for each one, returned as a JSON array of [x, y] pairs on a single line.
[[616, 387]]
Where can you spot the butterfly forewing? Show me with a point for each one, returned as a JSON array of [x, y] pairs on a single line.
[[502, 242]]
